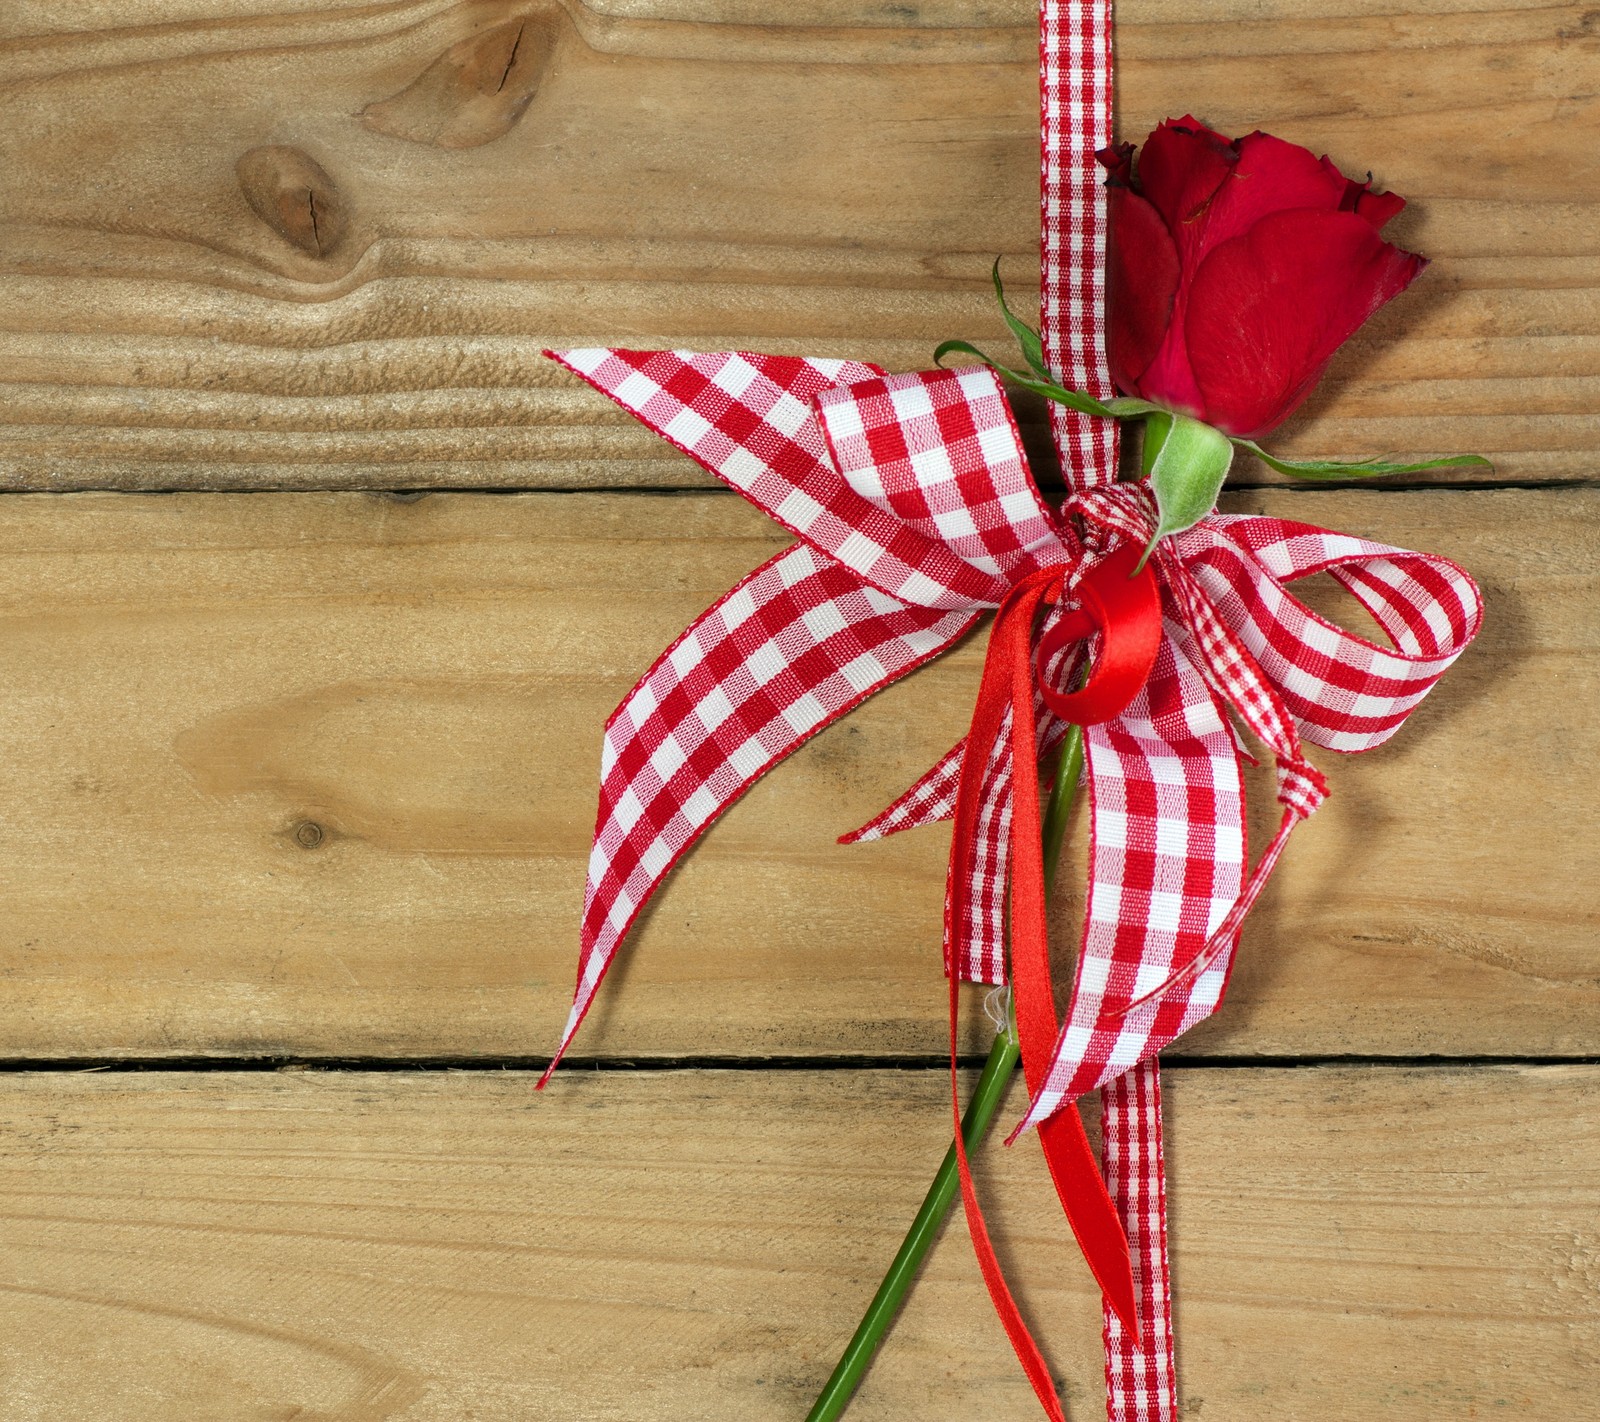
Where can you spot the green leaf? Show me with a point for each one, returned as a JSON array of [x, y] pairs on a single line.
[[1356, 468], [1125, 407], [1187, 473], [1073, 399], [1155, 435], [944, 348], [1027, 337]]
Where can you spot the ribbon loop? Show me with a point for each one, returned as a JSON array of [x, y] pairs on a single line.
[[1119, 599]]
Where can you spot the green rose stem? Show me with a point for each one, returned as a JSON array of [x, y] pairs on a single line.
[[880, 1315]]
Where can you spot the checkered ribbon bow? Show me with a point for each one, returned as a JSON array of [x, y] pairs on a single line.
[[915, 512]]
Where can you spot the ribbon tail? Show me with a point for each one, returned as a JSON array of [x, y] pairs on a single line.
[[1007, 689], [1167, 820], [931, 798], [1094, 1219], [1005, 1306], [1141, 1372], [988, 726], [1073, 1168], [790, 648]]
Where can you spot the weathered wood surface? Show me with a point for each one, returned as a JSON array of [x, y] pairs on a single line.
[[449, 187], [699, 1244], [315, 773]]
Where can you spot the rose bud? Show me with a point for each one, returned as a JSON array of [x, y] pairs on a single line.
[[1236, 269]]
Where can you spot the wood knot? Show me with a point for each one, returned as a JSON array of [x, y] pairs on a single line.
[[294, 196], [475, 91]]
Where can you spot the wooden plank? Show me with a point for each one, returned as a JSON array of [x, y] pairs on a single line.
[[315, 774], [833, 178], [699, 1244]]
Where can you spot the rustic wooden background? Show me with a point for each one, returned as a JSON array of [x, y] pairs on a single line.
[[317, 582]]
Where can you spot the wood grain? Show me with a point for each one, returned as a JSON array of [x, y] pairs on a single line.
[[312, 775], [833, 178], [315, 774], [698, 1244]]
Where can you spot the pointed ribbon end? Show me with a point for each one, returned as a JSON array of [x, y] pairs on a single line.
[[575, 1017], [1120, 1300]]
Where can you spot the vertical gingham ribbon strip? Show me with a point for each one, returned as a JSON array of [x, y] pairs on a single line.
[[1141, 1379], [1075, 92], [1075, 122]]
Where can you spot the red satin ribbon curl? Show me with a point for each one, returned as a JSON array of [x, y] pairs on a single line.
[[1119, 599]]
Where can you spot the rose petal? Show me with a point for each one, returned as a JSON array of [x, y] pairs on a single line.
[[1377, 208], [1168, 380], [1266, 311], [1117, 160], [1181, 165], [1141, 280], [1271, 176]]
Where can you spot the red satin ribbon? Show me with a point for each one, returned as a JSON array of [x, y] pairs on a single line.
[[1125, 608], [1121, 601]]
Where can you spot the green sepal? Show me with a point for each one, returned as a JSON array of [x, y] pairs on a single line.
[[1356, 468], [1051, 391], [1027, 337], [1186, 475], [1118, 409], [1125, 407], [1155, 435]]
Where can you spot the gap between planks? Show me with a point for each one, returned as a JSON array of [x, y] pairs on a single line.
[[533, 1066]]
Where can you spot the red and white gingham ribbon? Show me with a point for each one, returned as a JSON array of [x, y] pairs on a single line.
[[914, 512]]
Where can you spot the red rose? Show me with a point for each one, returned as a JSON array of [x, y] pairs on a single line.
[[1237, 269]]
